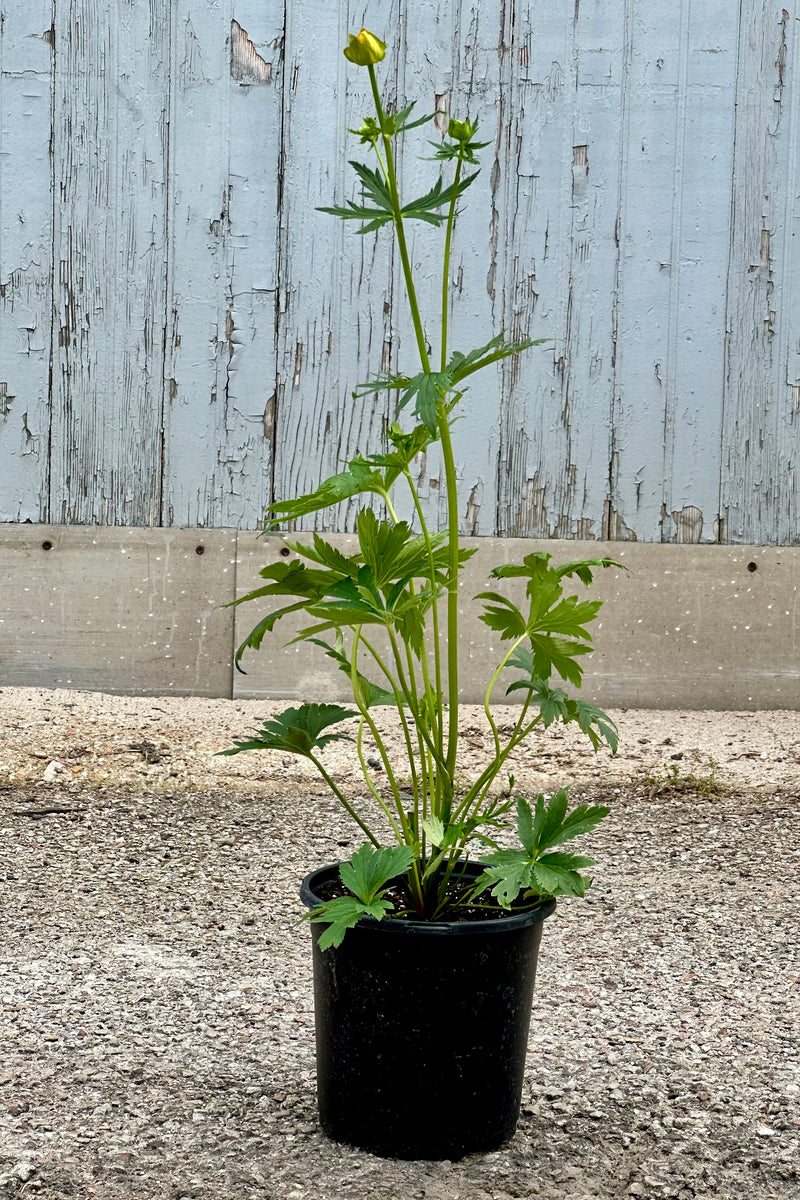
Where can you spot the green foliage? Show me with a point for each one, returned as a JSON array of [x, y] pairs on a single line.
[[554, 705], [377, 206], [536, 871], [297, 730], [463, 147], [387, 611], [426, 390], [670, 780], [365, 877]]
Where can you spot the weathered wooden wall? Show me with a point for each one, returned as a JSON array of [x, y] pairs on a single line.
[[181, 330]]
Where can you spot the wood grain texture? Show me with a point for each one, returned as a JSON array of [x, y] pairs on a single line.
[[225, 123], [110, 168], [26, 211], [557, 206], [759, 483], [335, 286], [449, 65], [674, 225], [181, 330]]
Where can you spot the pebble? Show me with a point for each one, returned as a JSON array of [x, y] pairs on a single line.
[[664, 1013]]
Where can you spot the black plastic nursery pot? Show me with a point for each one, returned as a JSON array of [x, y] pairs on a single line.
[[422, 1030]]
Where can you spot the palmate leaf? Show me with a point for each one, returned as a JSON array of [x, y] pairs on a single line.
[[535, 566], [376, 207], [426, 390], [365, 876], [557, 654], [502, 615], [535, 870], [552, 701], [342, 914], [392, 553], [381, 383], [371, 868], [397, 123], [467, 151], [508, 873], [555, 624], [287, 579], [554, 704], [297, 730], [359, 478], [425, 207], [461, 366], [596, 724], [556, 881], [343, 566]]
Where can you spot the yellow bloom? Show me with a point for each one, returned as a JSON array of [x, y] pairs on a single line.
[[364, 49]]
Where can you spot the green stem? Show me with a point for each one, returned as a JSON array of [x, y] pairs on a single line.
[[437, 658], [368, 780], [452, 586], [433, 748], [491, 772], [344, 801], [446, 270], [490, 689], [398, 221], [374, 729]]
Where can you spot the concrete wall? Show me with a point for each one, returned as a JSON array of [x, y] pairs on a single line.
[[181, 330], [138, 611]]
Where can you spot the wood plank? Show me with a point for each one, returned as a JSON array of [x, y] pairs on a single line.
[[533, 225], [225, 130], [701, 232], [110, 161], [759, 466], [26, 220], [335, 285], [449, 64], [652, 276], [579, 483]]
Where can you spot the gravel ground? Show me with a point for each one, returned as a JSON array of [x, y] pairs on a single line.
[[156, 1025]]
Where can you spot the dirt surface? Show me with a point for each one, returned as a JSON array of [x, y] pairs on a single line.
[[156, 1019]]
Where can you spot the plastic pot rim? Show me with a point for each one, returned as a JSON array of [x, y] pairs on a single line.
[[404, 928]]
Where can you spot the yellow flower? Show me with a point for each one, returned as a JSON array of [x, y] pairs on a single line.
[[364, 49]]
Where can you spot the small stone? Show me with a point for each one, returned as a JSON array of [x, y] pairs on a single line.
[[24, 1171], [52, 770]]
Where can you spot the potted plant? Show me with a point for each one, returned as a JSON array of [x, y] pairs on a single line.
[[425, 942]]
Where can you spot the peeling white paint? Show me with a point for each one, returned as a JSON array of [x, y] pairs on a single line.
[[169, 251]]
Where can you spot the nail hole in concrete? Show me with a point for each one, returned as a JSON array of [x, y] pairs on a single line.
[[47, 545], [199, 549], [286, 552], [751, 566]]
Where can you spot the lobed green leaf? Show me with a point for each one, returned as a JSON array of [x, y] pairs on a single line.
[[297, 730], [370, 869]]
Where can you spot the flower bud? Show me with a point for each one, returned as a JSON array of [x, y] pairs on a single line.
[[364, 49], [461, 131]]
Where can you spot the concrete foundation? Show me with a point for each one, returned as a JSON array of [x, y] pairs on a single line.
[[139, 611]]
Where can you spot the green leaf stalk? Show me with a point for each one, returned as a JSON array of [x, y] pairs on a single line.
[[381, 605]]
